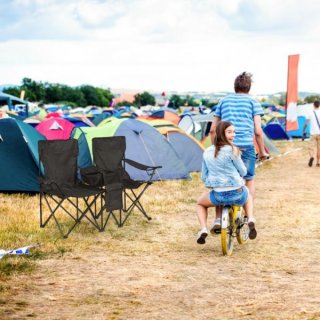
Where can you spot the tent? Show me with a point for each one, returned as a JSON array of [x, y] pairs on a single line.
[[80, 121], [197, 125], [19, 156], [158, 123], [55, 128], [14, 104], [298, 133], [166, 114], [186, 146], [144, 144], [275, 131]]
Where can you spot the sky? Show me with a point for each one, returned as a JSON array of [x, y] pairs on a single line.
[[160, 45]]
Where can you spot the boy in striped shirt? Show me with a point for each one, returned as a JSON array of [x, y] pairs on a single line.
[[244, 112]]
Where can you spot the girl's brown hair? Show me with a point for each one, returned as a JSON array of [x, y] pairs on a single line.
[[220, 138]]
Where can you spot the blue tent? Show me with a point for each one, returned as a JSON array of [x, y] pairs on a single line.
[[275, 131], [299, 132], [144, 144], [18, 156]]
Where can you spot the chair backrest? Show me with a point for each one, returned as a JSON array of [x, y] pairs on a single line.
[[108, 153], [59, 160]]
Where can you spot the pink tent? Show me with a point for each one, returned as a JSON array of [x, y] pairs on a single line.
[[55, 128]]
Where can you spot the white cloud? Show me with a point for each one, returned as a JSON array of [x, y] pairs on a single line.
[[157, 44]]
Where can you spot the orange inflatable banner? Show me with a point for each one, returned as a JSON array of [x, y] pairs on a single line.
[[292, 93]]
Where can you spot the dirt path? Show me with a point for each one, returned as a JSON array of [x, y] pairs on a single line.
[[156, 270]]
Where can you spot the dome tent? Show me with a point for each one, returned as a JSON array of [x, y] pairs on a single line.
[[144, 144], [19, 161]]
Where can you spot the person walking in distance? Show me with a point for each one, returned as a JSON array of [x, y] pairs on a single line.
[[314, 146]]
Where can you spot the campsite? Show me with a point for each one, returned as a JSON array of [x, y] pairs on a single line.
[[156, 270], [146, 264], [122, 122]]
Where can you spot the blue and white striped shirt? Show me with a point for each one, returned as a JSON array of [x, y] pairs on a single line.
[[240, 109]]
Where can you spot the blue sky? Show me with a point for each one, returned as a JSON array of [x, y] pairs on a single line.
[[160, 45]]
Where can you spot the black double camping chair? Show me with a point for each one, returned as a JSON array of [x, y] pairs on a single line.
[[62, 192], [122, 194]]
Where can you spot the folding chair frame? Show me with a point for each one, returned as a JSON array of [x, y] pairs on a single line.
[[82, 199], [134, 198]]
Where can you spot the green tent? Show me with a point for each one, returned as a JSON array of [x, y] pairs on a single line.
[[18, 156]]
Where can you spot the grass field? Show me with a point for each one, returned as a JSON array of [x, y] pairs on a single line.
[[156, 270]]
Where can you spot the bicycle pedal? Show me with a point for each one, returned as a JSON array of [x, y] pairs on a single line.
[[217, 231]]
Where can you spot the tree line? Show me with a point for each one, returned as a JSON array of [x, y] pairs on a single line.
[[84, 95], [46, 93]]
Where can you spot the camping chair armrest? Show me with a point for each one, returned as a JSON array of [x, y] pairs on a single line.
[[51, 184], [141, 166], [149, 169]]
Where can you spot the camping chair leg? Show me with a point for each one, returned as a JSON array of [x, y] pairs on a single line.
[[101, 216], [64, 235], [120, 218], [41, 213], [83, 214], [52, 212], [135, 202], [93, 212], [79, 213]]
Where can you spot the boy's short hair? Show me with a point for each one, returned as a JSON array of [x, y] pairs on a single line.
[[242, 83], [316, 103]]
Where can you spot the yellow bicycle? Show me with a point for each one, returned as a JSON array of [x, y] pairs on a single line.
[[233, 224]]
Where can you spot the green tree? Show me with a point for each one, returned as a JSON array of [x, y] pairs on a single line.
[[91, 95], [105, 97], [14, 91], [311, 99], [53, 93], [124, 104], [96, 96], [175, 101], [61, 92], [188, 101], [34, 91], [144, 99]]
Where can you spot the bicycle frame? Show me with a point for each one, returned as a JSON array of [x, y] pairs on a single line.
[[233, 225]]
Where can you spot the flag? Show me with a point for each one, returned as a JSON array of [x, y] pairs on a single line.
[[112, 102], [292, 93]]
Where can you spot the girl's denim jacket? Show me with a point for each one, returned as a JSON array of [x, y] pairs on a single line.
[[226, 170]]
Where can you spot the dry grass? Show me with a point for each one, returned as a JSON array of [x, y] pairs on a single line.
[[155, 270]]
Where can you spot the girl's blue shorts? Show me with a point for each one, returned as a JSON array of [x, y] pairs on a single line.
[[233, 197]]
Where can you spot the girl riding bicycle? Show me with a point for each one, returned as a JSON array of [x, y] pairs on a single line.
[[222, 170]]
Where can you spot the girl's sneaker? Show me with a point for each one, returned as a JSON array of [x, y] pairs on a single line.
[[216, 226], [252, 228], [202, 234]]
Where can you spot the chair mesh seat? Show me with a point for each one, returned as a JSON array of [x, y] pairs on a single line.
[[76, 191]]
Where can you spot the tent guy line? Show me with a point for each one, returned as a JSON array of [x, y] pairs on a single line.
[[279, 155]]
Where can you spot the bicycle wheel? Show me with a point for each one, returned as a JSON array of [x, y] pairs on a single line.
[[242, 230], [226, 231]]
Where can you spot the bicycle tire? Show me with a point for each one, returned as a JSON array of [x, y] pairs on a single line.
[[242, 231], [226, 233]]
